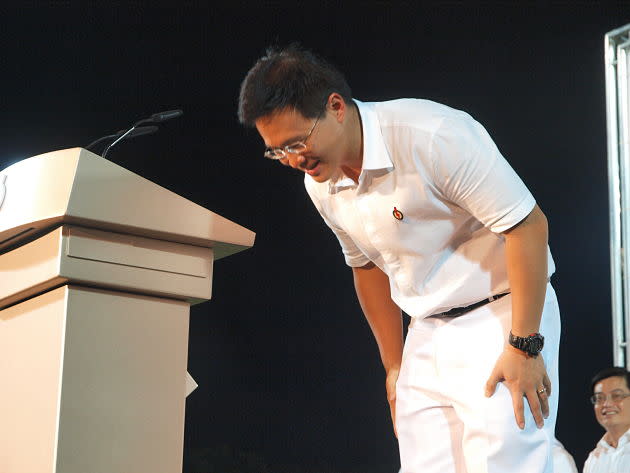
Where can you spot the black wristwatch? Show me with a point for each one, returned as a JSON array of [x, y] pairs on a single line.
[[531, 345]]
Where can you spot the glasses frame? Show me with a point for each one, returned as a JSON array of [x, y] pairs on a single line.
[[294, 148], [620, 395]]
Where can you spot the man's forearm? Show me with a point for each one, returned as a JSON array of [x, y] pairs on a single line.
[[526, 258], [382, 314]]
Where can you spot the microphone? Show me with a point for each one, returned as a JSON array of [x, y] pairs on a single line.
[[155, 118], [163, 116], [142, 130]]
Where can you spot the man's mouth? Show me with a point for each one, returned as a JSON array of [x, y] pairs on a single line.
[[609, 413], [313, 169]]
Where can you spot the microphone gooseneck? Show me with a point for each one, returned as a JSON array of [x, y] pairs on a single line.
[[134, 130], [139, 131]]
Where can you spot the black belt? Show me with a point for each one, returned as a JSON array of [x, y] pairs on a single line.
[[462, 310]]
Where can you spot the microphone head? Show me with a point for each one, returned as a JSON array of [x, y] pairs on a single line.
[[167, 115]]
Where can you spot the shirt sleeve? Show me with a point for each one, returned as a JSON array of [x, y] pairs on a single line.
[[470, 171], [588, 465], [353, 256]]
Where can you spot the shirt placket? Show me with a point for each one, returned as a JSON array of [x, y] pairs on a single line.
[[372, 213]]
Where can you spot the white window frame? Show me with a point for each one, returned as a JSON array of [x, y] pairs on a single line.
[[617, 59]]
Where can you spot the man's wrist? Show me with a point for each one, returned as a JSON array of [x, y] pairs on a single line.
[[531, 344], [516, 351]]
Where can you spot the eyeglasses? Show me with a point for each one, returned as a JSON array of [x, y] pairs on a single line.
[[295, 148], [615, 396]]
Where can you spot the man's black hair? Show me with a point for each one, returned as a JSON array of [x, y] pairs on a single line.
[[608, 373], [291, 77]]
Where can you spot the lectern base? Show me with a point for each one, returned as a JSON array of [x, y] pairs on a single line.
[[93, 381]]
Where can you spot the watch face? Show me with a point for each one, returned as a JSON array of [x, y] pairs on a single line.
[[536, 344]]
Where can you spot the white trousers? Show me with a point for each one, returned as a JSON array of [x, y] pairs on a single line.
[[445, 423]]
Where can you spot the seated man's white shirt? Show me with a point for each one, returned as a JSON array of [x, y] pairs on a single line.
[[607, 459], [442, 171]]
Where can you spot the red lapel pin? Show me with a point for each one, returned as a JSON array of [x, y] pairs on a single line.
[[398, 215]]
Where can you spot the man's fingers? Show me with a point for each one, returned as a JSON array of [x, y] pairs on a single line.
[[390, 387], [536, 408], [517, 404], [544, 396], [547, 384], [491, 384], [392, 411], [544, 403]]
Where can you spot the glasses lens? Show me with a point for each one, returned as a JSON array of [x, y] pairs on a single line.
[[597, 398], [617, 397], [275, 153], [296, 148]]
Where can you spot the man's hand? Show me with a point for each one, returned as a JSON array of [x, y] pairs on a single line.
[[524, 376], [390, 386]]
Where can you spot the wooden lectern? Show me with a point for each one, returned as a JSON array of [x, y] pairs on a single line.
[[98, 269]]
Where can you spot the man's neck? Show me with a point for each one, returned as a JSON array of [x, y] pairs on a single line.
[[613, 435], [354, 160]]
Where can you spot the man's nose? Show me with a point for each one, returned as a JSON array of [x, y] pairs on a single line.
[[296, 161]]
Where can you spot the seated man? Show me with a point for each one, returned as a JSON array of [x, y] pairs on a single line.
[[612, 454]]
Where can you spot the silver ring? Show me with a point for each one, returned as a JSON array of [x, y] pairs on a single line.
[[542, 390]]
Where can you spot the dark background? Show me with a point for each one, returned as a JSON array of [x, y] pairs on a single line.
[[290, 379]]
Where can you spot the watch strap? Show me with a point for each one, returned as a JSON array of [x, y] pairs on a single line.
[[531, 345]]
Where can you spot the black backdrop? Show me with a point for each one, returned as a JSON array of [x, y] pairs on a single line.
[[290, 379]]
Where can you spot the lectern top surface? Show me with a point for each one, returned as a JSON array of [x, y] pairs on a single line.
[[80, 187]]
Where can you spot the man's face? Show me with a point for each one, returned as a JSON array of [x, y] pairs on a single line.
[[322, 155], [611, 414]]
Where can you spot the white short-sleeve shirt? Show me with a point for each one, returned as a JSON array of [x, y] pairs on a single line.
[[439, 171], [607, 459]]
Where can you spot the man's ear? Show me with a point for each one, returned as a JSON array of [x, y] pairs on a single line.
[[337, 105]]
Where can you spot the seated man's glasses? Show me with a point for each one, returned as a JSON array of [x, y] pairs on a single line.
[[615, 396]]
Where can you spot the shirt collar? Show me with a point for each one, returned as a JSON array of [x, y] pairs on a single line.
[[375, 154], [624, 439]]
